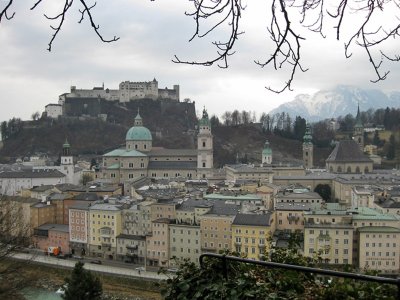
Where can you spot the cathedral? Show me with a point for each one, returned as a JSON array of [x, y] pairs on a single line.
[[140, 159]]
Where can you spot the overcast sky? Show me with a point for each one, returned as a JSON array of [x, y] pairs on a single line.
[[151, 33]]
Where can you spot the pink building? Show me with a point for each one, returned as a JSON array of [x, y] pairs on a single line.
[[52, 235]]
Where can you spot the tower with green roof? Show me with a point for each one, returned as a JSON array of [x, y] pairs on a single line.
[[139, 137], [308, 148], [266, 154], [204, 147], [358, 132]]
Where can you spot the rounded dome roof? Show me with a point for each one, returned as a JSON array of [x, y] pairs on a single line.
[[267, 151], [138, 133]]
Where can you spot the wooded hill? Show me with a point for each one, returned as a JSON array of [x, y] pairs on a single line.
[[172, 126]]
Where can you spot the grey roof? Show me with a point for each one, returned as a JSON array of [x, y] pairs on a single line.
[[347, 151], [173, 152], [191, 204], [172, 165], [42, 188], [252, 219], [87, 197], [294, 206], [59, 196], [45, 173], [388, 203], [55, 227], [250, 168], [221, 208], [65, 186]]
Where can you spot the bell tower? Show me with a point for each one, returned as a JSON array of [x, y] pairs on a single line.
[[358, 132], [308, 148], [204, 148]]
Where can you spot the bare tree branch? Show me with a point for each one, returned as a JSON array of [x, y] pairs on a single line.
[[210, 15], [4, 11]]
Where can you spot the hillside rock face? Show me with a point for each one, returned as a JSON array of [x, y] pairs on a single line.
[[339, 101]]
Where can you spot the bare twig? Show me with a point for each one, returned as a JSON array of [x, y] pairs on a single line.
[[3, 12]]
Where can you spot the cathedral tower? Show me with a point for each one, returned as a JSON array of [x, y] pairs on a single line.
[[204, 148], [308, 148]]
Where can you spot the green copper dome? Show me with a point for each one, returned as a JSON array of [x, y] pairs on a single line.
[[138, 132], [204, 121], [267, 149]]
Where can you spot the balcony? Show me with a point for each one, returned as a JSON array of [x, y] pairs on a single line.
[[106, 245], [238, 243], [132, 247], [261, 246]]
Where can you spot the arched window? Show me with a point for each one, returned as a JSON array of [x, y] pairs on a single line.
[[357, 169], [339, 169], [349, 169], [331, 169], [366, 170]]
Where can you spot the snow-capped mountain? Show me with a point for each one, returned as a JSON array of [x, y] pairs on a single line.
[[339, 101]]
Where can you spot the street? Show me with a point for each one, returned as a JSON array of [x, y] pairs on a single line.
[[70, 263]]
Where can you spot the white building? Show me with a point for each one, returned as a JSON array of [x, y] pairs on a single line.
[[13, 182], [53, 110]]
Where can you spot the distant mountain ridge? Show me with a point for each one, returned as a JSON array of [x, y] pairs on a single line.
[[336, 102]]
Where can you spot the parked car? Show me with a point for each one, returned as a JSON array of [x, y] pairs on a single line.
[[77, 257], [96, 261], [140, 269]]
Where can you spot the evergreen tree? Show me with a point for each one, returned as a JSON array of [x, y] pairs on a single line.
[[392, 148], [82, 285], [324, 190]]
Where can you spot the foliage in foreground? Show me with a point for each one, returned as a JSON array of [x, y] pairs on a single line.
[[82, 285], [246, 281]]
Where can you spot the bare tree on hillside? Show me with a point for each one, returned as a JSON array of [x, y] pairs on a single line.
[[368, 24]]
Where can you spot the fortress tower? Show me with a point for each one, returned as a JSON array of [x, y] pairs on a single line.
[[204, 148]]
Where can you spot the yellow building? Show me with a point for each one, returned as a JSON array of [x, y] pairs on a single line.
[[328, 233], [379, 248], [105, 226], [251, 233]]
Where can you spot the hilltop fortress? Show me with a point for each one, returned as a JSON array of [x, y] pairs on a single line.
[[127, 91], [87, 101]]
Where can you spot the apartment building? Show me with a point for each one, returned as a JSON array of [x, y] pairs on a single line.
[[379, 249], [184, 243], [131, 248], [158, 243], [290, 216], [250, 234], [216, 227], [105, 226], [328, 234], [79, 229]]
